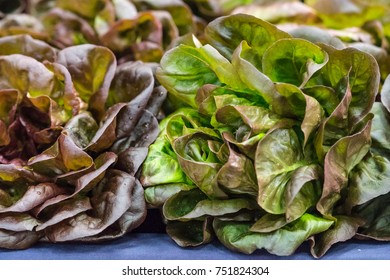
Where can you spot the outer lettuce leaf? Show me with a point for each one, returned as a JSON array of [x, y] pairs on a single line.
[[344, 229], [161, 165], [157, 195], [110, 201], [342, 157], [376, 217], [85, 8], [191, 233], [316, 35], [368, 180], [282, 242], [18, 222], [284, 175], [64, 156], [194, 204], [67, 29]]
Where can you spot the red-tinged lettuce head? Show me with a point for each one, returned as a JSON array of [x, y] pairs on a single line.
[[74, 129]]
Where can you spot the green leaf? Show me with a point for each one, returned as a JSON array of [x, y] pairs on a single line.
[[257, 119], [185, 69], [190, 233], [85, 8], [161, 166], [226, 34], [156, 195], [282, 242], [293, 61]]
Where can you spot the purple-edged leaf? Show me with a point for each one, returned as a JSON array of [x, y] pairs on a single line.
[[341, 158], [136, 213], [282, 242], [363, 77], [344, 229], [34, 196], [37, 79], [238, 174], [144, 134], [156, 196], [269, 223], [81, 129], [131, 159], [199, 162], [64, 156], [369, 179], [84, 181], [278, 156], [110, 200], [133, 82], [66, 29], [65, 210], [105, 136], [92, 69]]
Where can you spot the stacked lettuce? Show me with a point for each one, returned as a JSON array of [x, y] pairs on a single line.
[[133, 30], [75, 128], [277, 140]]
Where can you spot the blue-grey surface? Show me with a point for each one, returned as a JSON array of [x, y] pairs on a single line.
[[157, 246]]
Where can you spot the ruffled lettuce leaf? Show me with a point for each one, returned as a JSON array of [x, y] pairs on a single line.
[[282, 242]]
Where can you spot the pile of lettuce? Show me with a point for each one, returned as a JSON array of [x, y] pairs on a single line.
[[133, 30], [74, 130], [271, 141], [362, 24]]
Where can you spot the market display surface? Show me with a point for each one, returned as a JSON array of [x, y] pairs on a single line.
[[251, 127]]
